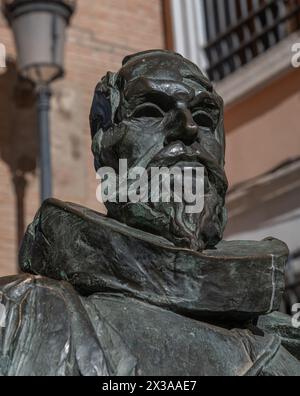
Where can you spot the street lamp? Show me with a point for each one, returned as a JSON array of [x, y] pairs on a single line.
[[39, 28]]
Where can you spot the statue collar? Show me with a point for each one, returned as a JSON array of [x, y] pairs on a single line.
[[237, 280]]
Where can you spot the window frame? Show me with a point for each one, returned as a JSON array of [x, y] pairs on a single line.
[[243, 82]]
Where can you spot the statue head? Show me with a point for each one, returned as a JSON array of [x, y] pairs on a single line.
[[160, 110]]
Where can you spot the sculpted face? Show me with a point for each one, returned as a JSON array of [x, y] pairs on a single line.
[[160, 110]]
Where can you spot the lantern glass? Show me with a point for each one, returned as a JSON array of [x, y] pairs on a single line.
[[39, 28], [40, 38]]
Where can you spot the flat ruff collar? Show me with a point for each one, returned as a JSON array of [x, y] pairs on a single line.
[[238, 280]]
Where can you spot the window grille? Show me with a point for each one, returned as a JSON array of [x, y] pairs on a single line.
[[239, 30]]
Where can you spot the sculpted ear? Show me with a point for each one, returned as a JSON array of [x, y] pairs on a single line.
[[105, 103]]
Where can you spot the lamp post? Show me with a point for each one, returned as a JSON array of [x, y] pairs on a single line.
[[39, 28]]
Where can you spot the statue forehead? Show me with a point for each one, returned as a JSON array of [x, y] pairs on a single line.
[[164, 66]]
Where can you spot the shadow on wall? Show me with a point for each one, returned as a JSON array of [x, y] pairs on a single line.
[[18, 135]]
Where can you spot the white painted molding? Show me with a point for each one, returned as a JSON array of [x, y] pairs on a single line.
[[189, 30], [190, 39], [252, 77]]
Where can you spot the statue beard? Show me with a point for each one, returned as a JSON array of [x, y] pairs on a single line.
[[171, 220], [198, 230]]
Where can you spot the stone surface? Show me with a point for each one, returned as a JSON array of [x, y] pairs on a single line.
[[237, 280]]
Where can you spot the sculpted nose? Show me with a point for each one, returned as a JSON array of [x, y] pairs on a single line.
[[181, 127]]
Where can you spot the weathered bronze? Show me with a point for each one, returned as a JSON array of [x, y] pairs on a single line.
[[148, 289], [164, 113]]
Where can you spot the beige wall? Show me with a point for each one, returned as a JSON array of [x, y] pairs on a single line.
[[264, 130], [102, 33]]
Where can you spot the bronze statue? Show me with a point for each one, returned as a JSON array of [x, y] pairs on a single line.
[[150, 289], [165, 113]]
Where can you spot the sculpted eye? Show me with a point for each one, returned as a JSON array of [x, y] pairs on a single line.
[[204, 120], [148, 110]]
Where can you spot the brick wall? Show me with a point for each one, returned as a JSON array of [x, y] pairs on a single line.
[[102, 33]]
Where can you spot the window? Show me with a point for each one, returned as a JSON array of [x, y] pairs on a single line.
[[239, 30], [221, 36]]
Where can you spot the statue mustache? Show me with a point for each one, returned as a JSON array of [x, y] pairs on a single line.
[[178, 152]]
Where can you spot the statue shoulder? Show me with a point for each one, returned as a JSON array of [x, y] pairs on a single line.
[[45, 330]]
